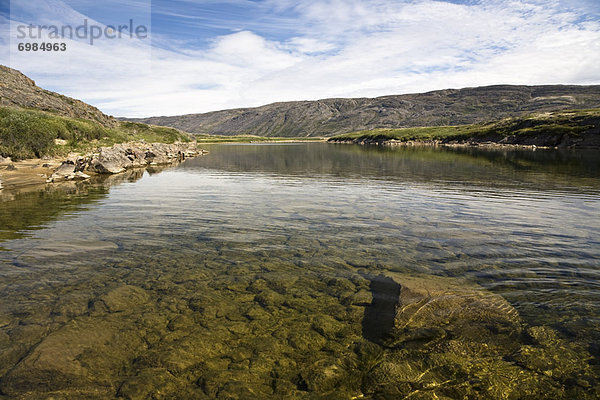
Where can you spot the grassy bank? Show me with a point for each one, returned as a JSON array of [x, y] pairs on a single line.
[[26, 133], [545, 126]]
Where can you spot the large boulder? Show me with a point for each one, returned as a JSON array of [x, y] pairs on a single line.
[[438, 307], [109, 160], [452, 339]]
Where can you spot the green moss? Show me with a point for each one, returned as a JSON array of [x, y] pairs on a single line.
[[31, 133]]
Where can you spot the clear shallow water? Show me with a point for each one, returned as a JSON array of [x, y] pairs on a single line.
[[276, 270]]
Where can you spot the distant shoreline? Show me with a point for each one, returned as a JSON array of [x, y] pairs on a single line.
[[437, 143], [561, 129]]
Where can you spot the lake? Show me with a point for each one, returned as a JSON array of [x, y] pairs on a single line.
[[308, 270]]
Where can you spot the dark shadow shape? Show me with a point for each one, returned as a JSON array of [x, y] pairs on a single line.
[[380, 315]]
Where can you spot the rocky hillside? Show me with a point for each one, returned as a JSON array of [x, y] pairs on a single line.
[[36, 123], [335, 116], [17, 90]]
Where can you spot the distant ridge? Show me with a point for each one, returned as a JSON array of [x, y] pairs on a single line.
[[330, 117]]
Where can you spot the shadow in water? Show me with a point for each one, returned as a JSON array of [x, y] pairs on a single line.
[[380, 315]]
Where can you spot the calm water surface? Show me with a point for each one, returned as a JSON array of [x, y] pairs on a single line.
[[308, 271]]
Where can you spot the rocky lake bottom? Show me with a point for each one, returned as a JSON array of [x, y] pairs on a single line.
[[308, 271]]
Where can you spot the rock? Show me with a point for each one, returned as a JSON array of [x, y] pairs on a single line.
[[11, 167], [150, 383], [115, 159], [552, 356], [108, 168], [461, 341], [328, 326], [269, 298], [68, 171], [81, 176], [109, 160], [124, 298], [361, 298], [306, 340], [84, 357], [463, 311], [323, 376]]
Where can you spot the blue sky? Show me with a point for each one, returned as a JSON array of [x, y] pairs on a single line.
[[209, 55]]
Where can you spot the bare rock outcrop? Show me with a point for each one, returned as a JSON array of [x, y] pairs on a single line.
[[120, 157]]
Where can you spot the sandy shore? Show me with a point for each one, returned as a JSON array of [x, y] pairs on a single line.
[[27, 172]]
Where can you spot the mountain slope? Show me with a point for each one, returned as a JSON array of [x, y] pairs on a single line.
[[335, 116], [17, 90], [35, 122]]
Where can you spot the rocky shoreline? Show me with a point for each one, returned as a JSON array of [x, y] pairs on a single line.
[[105, 160], [549, 139], [438, 143], [466, 143]]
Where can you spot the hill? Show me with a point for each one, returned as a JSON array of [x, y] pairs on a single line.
[[17, 90], [567, 128], [35, 122], [331, 117]]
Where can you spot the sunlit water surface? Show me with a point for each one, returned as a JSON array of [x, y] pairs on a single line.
[[253, 272]]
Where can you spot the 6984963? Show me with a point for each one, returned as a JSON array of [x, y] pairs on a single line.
[[44, 46]]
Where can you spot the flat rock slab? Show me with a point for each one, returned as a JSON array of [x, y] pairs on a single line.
[[124, 298], [83, 358], [454, 339], [440, 301]]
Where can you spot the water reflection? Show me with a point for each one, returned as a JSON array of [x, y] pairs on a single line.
[[457, 167]]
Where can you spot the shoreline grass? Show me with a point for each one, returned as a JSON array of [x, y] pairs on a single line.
[[27, 133], [570, 122]]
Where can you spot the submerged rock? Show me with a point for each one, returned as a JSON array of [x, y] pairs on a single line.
[[151, 383], [428, 305], [124, 298], [82, 359], [451, 339]]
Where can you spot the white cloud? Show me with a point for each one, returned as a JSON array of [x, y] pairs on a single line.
[[341, 48]]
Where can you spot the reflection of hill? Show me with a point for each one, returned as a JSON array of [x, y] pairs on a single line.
[[32, 209], [542, 169]]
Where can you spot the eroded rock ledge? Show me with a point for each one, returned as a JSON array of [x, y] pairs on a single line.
[[120, 157]]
